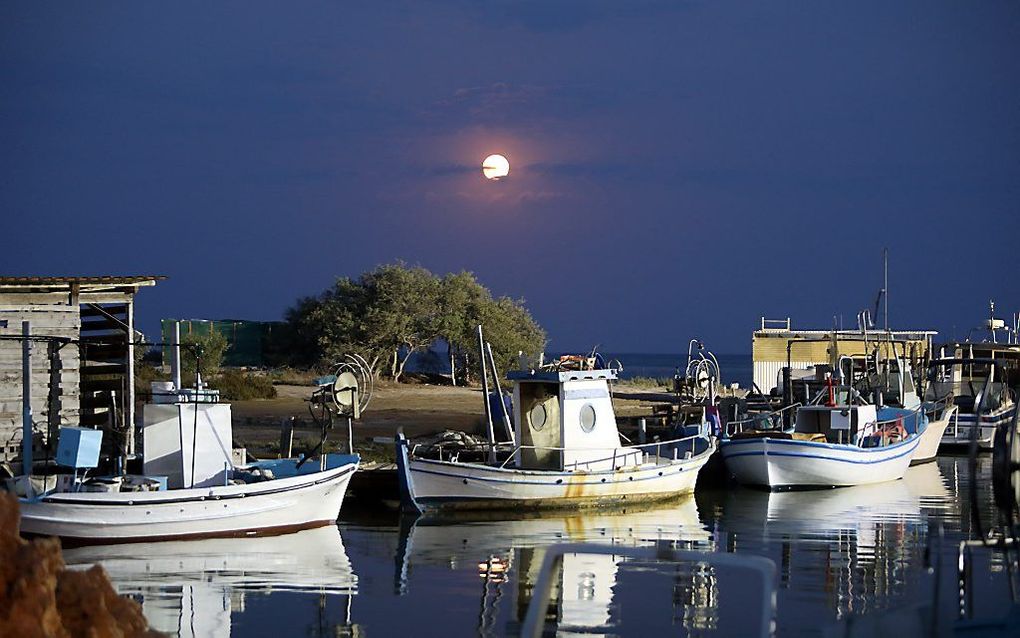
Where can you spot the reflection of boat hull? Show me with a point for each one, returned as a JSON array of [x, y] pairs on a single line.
[[449, 485], [192, 588], [311, 560], [931, 438], [786, 463], [256, 509]]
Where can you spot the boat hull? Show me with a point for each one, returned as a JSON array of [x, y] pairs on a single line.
[[958, 433], [453, 486], [791, 464], [257, 509], [931, 439]]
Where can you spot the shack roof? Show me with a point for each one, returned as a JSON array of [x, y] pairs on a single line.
[[63, 283], [18, 291]]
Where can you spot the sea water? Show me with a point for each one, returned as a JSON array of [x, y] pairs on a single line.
[[838, 554]]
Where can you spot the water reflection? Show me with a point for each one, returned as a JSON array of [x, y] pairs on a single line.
[[837, 552], [192, 588], [585, 597]]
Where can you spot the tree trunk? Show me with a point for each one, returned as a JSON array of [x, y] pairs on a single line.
[[453, 363], [400, 368], [393, 366]]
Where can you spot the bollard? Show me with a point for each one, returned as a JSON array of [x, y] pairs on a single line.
[[642, 431]]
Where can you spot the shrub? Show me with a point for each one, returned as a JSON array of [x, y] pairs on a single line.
[[235, 385]]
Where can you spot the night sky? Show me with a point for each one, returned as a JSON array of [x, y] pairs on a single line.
[[678, 169]]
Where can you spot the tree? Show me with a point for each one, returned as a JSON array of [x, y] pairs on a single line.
[[209, 349], [393, 311]]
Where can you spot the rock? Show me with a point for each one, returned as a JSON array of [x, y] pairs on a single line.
[[38, 597]]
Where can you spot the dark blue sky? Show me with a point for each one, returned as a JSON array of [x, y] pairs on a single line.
[[678, 169]]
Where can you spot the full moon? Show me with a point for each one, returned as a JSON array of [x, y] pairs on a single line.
[[495, 167]]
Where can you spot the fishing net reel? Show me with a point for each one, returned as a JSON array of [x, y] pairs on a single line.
[[700, 378], [344, 393], [347, 391]]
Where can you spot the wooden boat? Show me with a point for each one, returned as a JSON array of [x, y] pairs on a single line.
[[832, 444], [566, 452]]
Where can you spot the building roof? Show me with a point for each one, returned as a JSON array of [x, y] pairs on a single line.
[[98, 289], [107, 280]]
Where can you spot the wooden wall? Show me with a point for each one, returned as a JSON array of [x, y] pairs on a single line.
[[50, 315]]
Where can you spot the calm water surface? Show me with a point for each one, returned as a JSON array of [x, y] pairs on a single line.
[[837, 552]]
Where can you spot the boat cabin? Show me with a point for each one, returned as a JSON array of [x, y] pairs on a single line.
[[564, 420], [834, 424], [965, 378]]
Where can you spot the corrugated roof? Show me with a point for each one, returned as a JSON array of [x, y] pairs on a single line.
[[109, 280]]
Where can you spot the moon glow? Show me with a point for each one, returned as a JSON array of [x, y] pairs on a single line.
[[495, 167]]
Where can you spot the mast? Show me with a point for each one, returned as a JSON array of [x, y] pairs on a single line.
[[885, 285]]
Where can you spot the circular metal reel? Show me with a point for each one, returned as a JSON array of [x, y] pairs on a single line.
[[353, 379]]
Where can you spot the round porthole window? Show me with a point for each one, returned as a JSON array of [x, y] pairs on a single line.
[[588, 418], [537, 416]]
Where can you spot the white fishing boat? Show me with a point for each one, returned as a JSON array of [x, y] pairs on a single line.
[[190, 486], [250, 509], [566, 451], [937, 419], [979, 388], [833, 444]]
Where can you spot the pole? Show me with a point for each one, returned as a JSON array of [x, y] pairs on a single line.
[[485, 396], [26, 400], [499, 390], [175, 357], [885, 285], [129, 404]]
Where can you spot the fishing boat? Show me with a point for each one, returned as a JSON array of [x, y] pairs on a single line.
[[933, 418], [979, 387], [190, 485], [835, 442], [565, 451], [891, 383]]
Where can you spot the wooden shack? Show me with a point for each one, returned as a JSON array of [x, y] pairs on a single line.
[[83, 363]]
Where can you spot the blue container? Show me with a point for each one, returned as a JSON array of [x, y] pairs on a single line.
[[79, 447]]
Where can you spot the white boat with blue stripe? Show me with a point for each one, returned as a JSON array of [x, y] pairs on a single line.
[[980, 389], [566, 451], [830, 446]]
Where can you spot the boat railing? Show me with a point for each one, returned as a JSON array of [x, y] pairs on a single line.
[[736, 427], [887, 429], [672, 447]]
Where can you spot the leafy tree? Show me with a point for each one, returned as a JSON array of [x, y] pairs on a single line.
[[209, 348], [393, 311]]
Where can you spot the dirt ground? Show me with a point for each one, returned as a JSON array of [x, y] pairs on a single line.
[[419, 409]]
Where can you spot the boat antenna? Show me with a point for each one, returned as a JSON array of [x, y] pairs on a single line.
[[885, 285]]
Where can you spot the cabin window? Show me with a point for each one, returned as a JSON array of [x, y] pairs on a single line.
[[538, 417], [588, 418]]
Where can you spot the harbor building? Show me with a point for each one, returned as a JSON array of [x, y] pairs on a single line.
[[775, 344]]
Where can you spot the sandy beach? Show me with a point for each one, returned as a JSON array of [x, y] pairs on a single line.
[[417, 408]]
